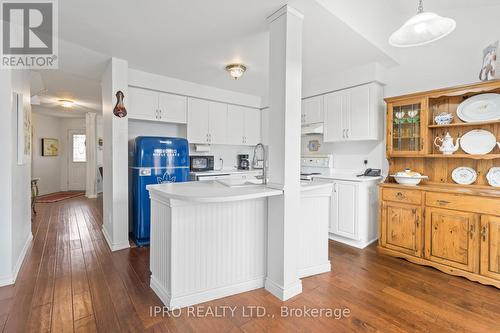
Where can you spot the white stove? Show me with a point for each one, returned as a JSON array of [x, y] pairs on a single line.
[[313, 165]]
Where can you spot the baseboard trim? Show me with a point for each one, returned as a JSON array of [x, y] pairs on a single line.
[[351, 242], [283, 293], [114, 246], [203, 296], [314, 270], [91, 196], [8, 280]]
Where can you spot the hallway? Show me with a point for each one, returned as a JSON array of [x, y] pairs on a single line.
[[70, 281]]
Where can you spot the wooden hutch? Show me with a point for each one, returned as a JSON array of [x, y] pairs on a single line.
[[454, 228]]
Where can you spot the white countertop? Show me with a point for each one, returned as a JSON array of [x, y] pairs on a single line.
[[224, 172], [348, 176], [211, 191]]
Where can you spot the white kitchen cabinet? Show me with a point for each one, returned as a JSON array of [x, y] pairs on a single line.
[[344, 208], [217, 122], [354, 114], [173, 108], [243, 125], [353, 219], [146, 104], [334, 117], [312, 110], [207, 121]]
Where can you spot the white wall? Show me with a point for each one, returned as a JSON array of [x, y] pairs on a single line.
[[47, 168], [349, 155], [67, 124], [100, 135], [15, 197], [453, 60]]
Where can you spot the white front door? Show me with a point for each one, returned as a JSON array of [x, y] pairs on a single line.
[[77, 160]]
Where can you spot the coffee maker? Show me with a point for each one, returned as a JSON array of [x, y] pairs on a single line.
[[243, 162]]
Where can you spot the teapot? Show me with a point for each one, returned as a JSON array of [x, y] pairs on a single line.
[[447, 147]]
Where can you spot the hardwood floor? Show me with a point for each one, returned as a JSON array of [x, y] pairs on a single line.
[[71, 282]]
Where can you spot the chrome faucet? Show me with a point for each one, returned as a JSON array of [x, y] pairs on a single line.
[[264, 162]]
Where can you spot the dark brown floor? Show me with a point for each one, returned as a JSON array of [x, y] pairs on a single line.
[[70, 281]]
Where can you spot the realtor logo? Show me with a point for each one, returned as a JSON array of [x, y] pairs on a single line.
[[29, 34]]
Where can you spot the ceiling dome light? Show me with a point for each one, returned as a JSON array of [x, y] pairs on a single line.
[[421, 29], [236, 70], [66, 103]]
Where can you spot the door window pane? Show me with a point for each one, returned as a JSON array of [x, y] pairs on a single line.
[[79, 151]]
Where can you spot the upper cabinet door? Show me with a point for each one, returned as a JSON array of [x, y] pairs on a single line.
[[405, 127], [235, 124], [197, 121], [334, 106], [312, 110], [217, 123], [360, 117], [252, 126], [173, 108], [142, 104]]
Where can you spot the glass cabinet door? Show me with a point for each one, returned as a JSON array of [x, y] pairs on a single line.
[[406, 127]]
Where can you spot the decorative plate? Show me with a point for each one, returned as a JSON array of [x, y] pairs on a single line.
[[478, 142], [464, 175], [493, 177], [484, 107]]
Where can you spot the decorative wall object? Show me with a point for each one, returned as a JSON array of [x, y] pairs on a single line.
[[50, 147], [23, 129], [490, 69], [313, 145], [119, 109]]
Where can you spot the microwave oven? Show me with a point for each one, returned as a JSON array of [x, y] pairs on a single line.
[[201, 163]]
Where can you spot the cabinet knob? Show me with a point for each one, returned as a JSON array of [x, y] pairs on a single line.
[[471, 231], [484, 232], [400, 195]]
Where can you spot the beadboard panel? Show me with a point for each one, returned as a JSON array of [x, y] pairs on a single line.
[[201, 252], [315, 217]]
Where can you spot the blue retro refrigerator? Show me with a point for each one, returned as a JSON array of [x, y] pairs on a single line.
[[156, 160]]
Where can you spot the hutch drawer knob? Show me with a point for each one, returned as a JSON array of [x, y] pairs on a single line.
[[442, 202], [400, 195]]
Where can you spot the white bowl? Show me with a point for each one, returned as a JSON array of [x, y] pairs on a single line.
[[409, 181]]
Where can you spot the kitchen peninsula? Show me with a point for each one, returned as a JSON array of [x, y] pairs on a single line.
[[209, 240]]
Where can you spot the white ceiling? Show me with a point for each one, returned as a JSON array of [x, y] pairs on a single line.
[[52, 85], [194, 39]]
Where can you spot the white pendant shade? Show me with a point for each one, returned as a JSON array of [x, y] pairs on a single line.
[[421, 29]]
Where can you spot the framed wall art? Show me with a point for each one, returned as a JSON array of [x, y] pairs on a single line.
[[50, 147]]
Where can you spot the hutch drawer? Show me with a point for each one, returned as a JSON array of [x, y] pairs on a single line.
[[469, 203], [401, 195]]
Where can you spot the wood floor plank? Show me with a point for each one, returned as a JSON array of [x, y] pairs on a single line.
[[71, 281]]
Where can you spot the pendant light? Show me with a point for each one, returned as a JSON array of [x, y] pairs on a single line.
[[421, 29]]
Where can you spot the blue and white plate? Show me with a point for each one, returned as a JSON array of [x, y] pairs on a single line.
[[493, 177], [464, 175]]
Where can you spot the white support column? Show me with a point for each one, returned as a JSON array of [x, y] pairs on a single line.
[[285, 92], [91, 146], [115, 157]]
